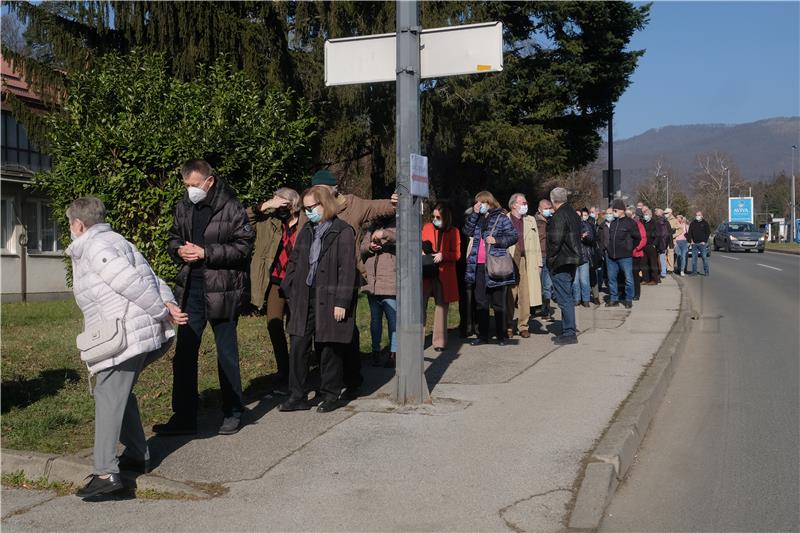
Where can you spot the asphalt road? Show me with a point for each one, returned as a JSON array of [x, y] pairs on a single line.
[[723, 452]]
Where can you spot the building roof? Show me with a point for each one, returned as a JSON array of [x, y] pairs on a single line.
[[14, 83]]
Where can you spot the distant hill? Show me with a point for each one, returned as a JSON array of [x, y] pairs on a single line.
[[759, 149]]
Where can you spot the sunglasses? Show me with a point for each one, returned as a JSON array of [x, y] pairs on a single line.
[[310, 207]]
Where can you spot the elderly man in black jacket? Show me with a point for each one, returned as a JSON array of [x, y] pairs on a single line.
[[210, 240], [563, 258]]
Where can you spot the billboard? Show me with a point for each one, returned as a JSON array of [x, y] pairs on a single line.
[[740, 209]]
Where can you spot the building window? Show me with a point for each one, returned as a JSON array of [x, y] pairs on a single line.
[[17, 150], [42, 229], [7, 224]]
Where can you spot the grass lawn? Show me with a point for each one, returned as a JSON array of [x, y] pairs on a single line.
[[784, 247], [46, 404]]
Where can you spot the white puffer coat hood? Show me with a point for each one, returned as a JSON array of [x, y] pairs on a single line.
[[108, 274]]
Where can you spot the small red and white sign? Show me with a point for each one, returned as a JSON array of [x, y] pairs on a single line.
[[419, 175]]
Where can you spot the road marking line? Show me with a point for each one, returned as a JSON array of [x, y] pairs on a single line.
[[767, 266], [729, 257]]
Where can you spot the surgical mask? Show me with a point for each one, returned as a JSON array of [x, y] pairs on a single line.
[[593, 215], [698, 218], [610, 217], [523, 209], [484, 208], [437, 222], [313, 215], [73, 236], [197, 194], [648, 218], [547, 213], [584, 217]]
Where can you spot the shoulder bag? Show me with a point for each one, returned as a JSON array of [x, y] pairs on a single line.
[[499, 268], [104, 340]]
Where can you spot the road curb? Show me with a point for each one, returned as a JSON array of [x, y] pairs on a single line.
[[784, 252], [608, 464], [74, 469]]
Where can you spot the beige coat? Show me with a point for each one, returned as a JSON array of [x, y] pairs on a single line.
[[533, 258]]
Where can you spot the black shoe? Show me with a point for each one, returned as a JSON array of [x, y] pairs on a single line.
[[98, 486], [438, 349], [230, 425], [612, 304], [478, 341], [636, 298], [294, 404], [628, 304], [175, 426], [586, 304], [281, 390], [349, 394], [326, 406], [129, 464], [565, 339], [502, 342]]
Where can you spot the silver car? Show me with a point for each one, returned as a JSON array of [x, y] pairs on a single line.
[[731, 236]]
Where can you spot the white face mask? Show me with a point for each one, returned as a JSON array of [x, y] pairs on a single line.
[[197, 194], [437, 222], [648, 218], [698, 218], [523, 209]]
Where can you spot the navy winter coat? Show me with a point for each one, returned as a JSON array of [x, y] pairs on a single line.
[[479, 227]]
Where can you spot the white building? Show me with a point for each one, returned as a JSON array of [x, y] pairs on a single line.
[[32, 260]]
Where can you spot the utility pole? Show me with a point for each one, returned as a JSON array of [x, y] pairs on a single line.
[[610, 192], [411, 387]]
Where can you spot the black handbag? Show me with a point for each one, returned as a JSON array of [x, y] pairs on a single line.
[[430, 270]]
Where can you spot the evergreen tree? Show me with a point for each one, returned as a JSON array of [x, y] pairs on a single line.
[[565, 65]]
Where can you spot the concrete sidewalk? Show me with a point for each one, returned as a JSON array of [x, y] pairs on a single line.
[[500, 448]]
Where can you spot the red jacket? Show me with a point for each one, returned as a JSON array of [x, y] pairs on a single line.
[[451, 252], [639, 250]]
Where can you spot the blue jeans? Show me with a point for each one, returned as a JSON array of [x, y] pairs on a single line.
[[662, 259], [378, 306], [563, 278], [547, 282], [701, 250], [681, 253], [581, 287], [614, 266]]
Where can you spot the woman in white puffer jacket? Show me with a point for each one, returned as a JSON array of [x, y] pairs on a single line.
[[111, 279]]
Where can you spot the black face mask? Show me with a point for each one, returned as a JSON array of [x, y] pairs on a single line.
[[283, 214]]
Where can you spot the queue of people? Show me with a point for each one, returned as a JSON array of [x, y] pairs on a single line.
[[303, 258]]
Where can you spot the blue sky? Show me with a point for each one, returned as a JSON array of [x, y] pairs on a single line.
[[713, 62]]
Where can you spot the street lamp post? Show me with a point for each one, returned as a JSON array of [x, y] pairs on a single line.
[[794, 215]]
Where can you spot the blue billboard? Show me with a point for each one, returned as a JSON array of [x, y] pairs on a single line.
[[740, 209]]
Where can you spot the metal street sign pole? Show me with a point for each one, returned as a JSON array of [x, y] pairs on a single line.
[[410, 384]]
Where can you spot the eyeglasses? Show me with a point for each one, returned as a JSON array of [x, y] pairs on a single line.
[[437, 218], [310, 207]]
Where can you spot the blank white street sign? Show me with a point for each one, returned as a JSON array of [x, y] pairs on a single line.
[[469, 49]]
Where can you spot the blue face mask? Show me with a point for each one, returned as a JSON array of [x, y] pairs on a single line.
[[547, 213], [484, 208], [313, 216], [609, 217]]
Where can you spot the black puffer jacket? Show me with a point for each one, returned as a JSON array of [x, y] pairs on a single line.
[[564, 238], [228, 243]]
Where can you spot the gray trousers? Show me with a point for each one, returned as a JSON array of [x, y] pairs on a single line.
[[116, 413]]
